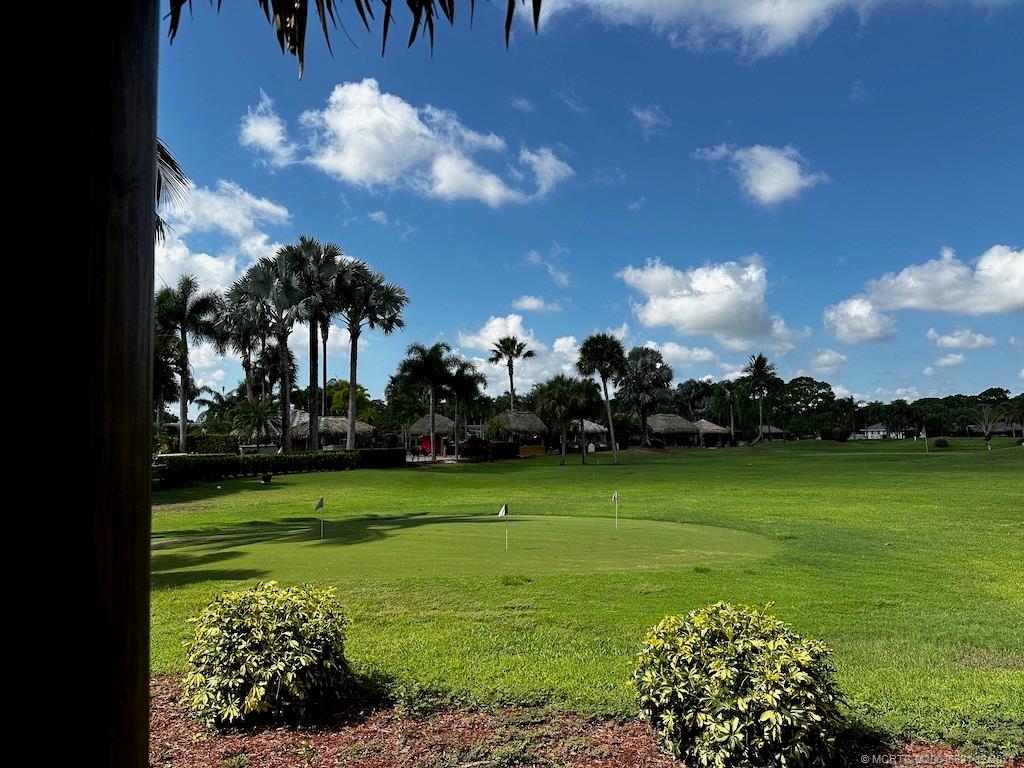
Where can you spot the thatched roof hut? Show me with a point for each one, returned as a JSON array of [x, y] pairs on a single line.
[[330, 426], [442, 426], [708, 428], [518, 423], [768, 430], [593, 428], [670, 424]]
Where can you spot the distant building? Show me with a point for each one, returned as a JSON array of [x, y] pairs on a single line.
[[879, 432]]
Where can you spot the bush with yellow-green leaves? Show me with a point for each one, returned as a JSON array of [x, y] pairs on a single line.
[[732, 687], [266, 651]]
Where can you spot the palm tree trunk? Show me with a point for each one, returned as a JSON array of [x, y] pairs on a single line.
[[645, 439], [314, 404], [286, 395], [611, 426], [732, 428], [264, 373], [561, 461], [183, 399], [433, 449], [511, 387], [760, 418], [323, 392], [583, 444], [353, 362], [115, 281], [247, 366]]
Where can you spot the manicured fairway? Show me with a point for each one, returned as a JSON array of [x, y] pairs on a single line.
[[906, 563]]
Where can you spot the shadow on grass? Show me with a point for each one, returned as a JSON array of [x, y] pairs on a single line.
[[346, 531], [179, 569]]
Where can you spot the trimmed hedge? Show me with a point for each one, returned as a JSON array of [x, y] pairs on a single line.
[[182, 470], [205, 444], [504, 450]]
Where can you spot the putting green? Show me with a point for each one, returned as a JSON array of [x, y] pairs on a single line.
[[419, 546]]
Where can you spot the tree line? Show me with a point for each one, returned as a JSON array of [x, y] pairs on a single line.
[[315, 283]]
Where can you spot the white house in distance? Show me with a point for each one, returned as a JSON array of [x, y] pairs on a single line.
[[877, 432]]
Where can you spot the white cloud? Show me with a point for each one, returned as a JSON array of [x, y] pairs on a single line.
[[753, 27], [857, 320], [530, 303], [636, 205], [769, 175], [560, 357], [951, 360], [857, 91], [826, 362], [650, 119], [928, 370], [995, 283], [264, 131], [226, 210], [521, 104], [961, 338], [1016, 343], [1020, 375], [621, 333], [679, 355], [212, 379], [909, 394], [573, 102], [841, 391], [378, 217], [377, 140], [559, 275]]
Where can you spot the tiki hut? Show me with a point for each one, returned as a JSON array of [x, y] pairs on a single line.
[[443, 427], [672, 429], [333, 430], [772, 433], [592, 430], [711, 433], [521, 426]]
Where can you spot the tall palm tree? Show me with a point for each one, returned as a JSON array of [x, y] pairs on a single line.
[[430, 367], [603, 354], [509, 349], [274, 282], [318, 266], [585, 399], [366, 300], [557, 403], [728, 391], [760, 374], [254, 421], [643, 383], [464, 384], [187, 312]]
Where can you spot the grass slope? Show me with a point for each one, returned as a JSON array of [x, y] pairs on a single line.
[[906, 563]]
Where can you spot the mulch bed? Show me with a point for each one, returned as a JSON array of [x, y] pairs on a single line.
[[450, 738]]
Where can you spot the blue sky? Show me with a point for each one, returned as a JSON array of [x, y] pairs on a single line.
[[837, 183]]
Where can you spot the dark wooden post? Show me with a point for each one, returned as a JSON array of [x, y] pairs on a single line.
[[120, 74]]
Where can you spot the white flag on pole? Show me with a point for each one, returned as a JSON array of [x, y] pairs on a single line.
[[503, 512], [319, 504], [615, 497]]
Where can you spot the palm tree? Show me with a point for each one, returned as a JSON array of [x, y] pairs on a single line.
[[728, 391], [172, 184], [760, 373], [510, 349], [274, 282], [585, 399], [366, 300], [643, 383], [603, 354], [557, 405], [215, 405], [186, 311], [431, 367], [318, 266], [255, 421], [464, 383]]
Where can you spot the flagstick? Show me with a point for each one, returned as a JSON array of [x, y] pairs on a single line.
[[321, 525], [506, 533], [616, 512]]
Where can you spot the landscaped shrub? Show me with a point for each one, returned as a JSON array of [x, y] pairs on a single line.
[[733, 686], [202, 443], [940, 443], [839, 434], [266, 651], [501, 450], [181, 470], [474, 448]]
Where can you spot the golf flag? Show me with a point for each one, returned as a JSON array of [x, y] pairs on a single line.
[[319, 504], [503, 512], [615, 497]]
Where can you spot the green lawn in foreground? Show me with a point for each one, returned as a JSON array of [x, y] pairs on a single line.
[[906, 563]]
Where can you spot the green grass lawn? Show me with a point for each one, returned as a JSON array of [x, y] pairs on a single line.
[[908, 564]]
